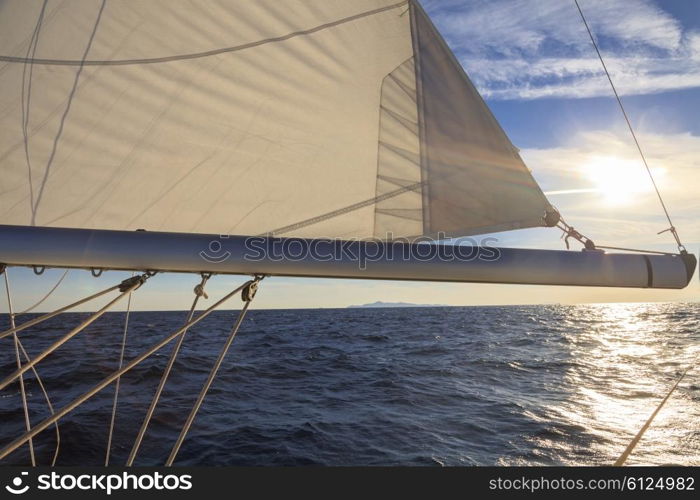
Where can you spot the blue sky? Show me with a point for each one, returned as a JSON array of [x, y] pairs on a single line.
[[536, 67]]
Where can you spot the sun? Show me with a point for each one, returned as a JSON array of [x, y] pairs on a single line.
[[620, 181]]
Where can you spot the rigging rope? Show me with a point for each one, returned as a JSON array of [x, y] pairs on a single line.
[[116, 387], [672, 228], [198, 292], [111, 378], [630, 447], [635, 250], [48, 403], [43, 390], [569, 232], [247, 294], [126, 287], [27, 423], [37, 304], [50, 315]]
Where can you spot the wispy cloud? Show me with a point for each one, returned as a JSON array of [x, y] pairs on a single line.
[[524, 49], [574, 174]]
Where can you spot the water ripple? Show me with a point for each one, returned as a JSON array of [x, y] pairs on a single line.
[[521, 385]]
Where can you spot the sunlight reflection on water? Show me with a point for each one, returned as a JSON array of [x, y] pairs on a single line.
[[630, 357], [508, 385]]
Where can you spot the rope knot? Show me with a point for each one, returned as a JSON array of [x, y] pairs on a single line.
[[199, 291]]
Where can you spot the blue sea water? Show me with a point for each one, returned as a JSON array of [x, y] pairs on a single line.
[[515, 385]]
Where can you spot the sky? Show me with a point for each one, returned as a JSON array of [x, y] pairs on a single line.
[[534, 64]]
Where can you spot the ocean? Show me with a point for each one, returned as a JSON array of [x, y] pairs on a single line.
[[443, 386]]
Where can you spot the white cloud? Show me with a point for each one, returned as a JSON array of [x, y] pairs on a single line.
[[675, 160], [694, 46], [524, 49], [515, 78]]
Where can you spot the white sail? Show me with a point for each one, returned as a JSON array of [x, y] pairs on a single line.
[[311, 118], [305, 118]]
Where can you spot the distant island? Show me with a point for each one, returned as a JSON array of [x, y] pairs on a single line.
[[396, 304]]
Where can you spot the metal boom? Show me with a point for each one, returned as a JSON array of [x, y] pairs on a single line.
[[185, 252]]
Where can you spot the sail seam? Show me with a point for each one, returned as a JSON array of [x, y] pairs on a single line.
[[420, 108], [402, 213], [401, 152], [382, 145], [341, 211], [411, 93], [411, 126], [395, 180], [199, 55], [380, 119]]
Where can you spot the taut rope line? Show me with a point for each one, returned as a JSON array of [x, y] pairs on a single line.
[[630, 447], [126, 287], [48, 403], [111, 378], [23, 393], [247, 295], [50, 315], [48, 294], [198, 292], [3, 269], [672, 228], [116, 386]]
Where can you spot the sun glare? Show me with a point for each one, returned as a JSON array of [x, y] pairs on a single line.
[[619, 180]]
